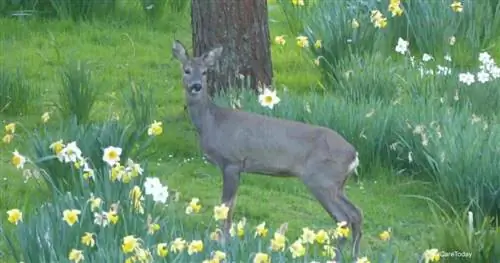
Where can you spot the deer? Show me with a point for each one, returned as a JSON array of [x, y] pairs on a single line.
[[237, 141]]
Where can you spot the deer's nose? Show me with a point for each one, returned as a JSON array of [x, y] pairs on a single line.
[[196, 87]]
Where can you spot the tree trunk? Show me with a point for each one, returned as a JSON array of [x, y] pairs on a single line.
[[241, 27]]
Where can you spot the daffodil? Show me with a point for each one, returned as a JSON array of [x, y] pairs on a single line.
[[261, 230], [431, 255], [71, 216], [219, 255], [221, 212], [322, 237], [240, 227], [298, 2], [457, 6], [216, 234], [178, 245], [57, 147], [328, 251], [45, 117], [71, 153], [112, 155], [363, 260], [302, 41], [130, 244], [112, 217], [155, 128], [385, 235], [261, 258], [95, 203], [268, 98], [395, 8], [342, 230], [308, 235], [280, 40], [7, 138], [10, 128], [354, 23], [196, 246], [88, 239], [278, 242], [318, 44], [162, 249], [18, 160], [153, 228], [193, 206], [15, 216], [76, 255], [297, 249]]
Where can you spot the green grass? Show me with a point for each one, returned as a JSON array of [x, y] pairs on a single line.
[[118, 52]]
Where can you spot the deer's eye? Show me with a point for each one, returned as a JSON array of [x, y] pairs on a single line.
[[187, 71]]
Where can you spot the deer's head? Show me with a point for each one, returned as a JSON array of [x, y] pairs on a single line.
[[194, 69]]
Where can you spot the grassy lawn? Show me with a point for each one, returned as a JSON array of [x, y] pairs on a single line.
[[122, 51]]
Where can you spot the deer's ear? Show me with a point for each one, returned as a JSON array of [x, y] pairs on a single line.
[[179, 52], [210, 57]]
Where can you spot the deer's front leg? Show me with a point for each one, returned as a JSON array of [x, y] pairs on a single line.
[[230, 183]]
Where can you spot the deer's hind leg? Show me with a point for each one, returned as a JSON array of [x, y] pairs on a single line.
[[356, 222], [327, 192]]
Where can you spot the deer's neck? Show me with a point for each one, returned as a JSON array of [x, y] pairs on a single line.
[[202, 114]]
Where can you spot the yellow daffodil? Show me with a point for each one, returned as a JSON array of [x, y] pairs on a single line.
[[76, 255], [193, 206], [342, 229], [162, 249], [216, 235], [71, 216], [261, 258], [95, 203], [15, 216], [88, 239], [302, 41], [130, 244], [432, 255], [318, 44], [45, 117], [155, 128], [152, 228], [322, 237], [395, 8], [221, 212], [385, 235], [308, 235], [363, 260], [457, 6], [196, 246], [261, 230], [280, 40], [10, 128], [112, 217], [18, 160], [7, 138], [178, 245], [354, 23], [298, 2], [297, 249], [329, 251], [278, 242]]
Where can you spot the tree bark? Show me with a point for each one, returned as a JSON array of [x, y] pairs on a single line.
[[241, 27]]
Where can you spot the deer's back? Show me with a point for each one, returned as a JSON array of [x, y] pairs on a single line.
[[269, 145]]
